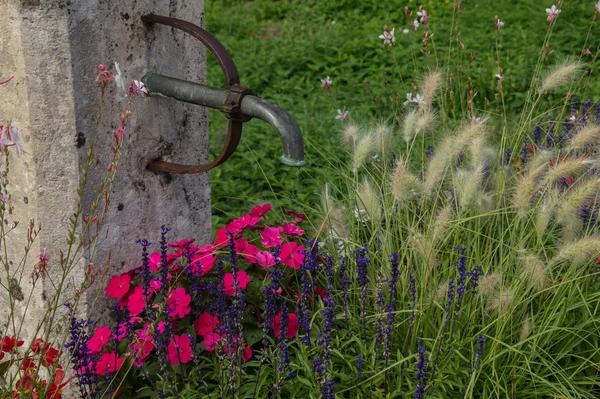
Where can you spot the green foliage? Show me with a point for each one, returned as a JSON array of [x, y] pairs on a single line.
[[283, 48], [538, 315]]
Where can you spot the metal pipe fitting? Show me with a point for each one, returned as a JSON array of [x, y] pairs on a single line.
[[251, 106]]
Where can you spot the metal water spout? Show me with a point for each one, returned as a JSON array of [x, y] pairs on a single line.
[[238, 103]]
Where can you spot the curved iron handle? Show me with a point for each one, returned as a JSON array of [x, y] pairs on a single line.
[[231, 107]]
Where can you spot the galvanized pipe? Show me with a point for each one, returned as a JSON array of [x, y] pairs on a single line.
[[253, 106]]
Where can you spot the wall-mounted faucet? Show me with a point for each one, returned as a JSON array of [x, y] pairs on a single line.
[[238, 103]]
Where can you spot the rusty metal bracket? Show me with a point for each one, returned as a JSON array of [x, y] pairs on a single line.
[[231, 107]]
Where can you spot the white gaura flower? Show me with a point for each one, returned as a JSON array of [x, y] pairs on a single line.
[[417, 99], [481, 121], [119, 77], [342, 115], [326, 83]]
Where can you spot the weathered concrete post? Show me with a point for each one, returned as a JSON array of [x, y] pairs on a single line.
[[53, 48]]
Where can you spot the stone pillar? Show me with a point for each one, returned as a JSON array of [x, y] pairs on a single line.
[[53, 48]]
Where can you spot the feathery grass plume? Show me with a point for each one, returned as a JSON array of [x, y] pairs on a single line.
[[526, 188], [409, 124], [525, 330], [488, 284], [334, 214], [404, 183], [327, 201], [578, 252], [566, 168], [467, 134], [382, 138], [337, 223], [441, 222], [589, 135], [431, 85], [502, 300], [364, 147], [481, 153], [438, 295], [447, 151], [561, 74], [534, 270], [484, 204], [466, 184], [368, 199], [545, 212], [424, 248], [436, 169], [350, 135], [540, 159], [570, 206], [425, 122]]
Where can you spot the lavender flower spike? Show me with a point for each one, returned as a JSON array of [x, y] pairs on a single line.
[[363, 281], [480, 341], [421, 372]]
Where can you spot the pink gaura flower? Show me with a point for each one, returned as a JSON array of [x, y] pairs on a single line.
[[597, 6], [179, 303], [100, 338], [136, 87], [293, 325], [179, 349], [388, 37], [210, 340], [109, 362], [104, 76], [260, 210], [424, 16], [118, 286], [416, 24], [206, 323], [248, 251], [9, 137], [242, 281], [270, 237], [587, 51], [291, 230], [291, 254], [265, 259], [553, 12]]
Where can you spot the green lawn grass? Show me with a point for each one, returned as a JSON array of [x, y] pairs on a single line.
[[283, 48]]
